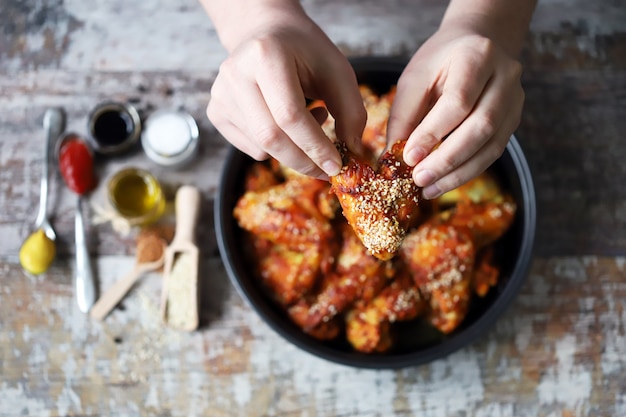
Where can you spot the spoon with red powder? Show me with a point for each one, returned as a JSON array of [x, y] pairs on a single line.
[[150, 256]]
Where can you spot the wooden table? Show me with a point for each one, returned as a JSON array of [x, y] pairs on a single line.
[[560, 349]]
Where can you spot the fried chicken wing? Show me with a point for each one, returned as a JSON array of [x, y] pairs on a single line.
[[260, 177], [358, 277], [368, 326], [288, 213], [380, 204], [324, 330], [485, 272], [441, 261], [480, 189], [441, 255], [486, 221], [289, 274], [290, 232]]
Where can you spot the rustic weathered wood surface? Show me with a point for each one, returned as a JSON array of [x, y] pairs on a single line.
[[560, 349]]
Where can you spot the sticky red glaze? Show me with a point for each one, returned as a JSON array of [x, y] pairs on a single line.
[[76, 165]]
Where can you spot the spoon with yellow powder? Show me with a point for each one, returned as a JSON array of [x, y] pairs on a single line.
[[38, 250]]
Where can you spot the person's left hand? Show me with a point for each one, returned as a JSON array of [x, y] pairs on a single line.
[[462, 87]]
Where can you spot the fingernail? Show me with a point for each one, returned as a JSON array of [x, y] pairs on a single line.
[[430, 192], [331, 168], [413, 156], [424, 177]]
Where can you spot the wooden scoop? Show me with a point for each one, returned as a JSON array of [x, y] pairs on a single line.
[[150, 256], [179, 296]]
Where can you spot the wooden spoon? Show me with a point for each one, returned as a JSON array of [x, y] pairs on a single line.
[[150, 256], [179, 296]]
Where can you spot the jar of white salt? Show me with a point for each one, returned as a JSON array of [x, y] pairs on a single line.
[[170, 138]]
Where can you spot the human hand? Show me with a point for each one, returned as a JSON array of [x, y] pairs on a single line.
[[279, 58], [462, 87]]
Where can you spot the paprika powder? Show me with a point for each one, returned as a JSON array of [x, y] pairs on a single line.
[[76, 165]]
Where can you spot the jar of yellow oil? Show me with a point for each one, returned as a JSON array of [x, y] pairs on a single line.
[[136, 195]]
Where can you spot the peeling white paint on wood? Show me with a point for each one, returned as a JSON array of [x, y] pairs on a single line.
[[113, 36], [566, 382], [238, 365]]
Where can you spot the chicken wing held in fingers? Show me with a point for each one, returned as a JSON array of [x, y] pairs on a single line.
[[380, 204]]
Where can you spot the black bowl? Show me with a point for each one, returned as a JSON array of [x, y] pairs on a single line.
[[417, 342]]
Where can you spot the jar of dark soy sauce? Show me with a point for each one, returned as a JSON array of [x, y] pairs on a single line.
[[113, 127]]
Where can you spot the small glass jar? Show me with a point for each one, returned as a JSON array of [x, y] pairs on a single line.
[[113, 127], [170, 138], [136, 195]]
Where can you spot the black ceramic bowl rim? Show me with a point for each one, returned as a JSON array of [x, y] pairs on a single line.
[[235, 265]]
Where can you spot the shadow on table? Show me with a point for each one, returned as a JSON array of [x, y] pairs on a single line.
[[214, 285]]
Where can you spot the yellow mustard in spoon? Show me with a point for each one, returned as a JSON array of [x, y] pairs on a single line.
[[38, 250], [37, 253]]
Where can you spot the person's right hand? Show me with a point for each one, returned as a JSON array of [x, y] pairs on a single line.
[[279, 58]]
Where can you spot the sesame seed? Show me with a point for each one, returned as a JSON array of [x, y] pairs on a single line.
[[379, 196]]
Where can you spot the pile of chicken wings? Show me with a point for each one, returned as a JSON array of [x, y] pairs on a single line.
[[342, 263]]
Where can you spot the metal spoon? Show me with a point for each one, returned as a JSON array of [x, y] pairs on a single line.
[[85, 280], [53, 123], [84, 276]]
